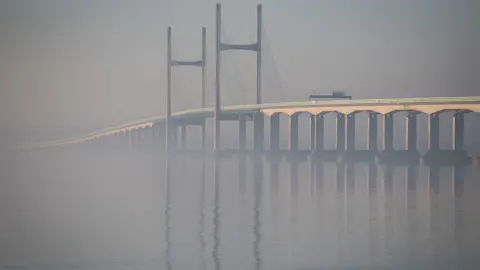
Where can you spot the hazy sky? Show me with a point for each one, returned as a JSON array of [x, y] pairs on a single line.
[[91, 63]]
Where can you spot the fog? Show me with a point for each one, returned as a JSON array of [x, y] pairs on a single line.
[[72, 67], [76, 66]]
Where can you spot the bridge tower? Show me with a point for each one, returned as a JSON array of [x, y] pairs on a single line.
[[171, 128], [258, 117]]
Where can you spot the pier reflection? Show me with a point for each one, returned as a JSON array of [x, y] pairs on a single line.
[[403, 214]]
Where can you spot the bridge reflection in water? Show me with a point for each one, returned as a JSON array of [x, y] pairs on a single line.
[[316, 214]]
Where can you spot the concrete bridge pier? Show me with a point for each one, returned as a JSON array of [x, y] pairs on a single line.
[[258, 132], [373, 133], [274, 134], [388, 133], [158, 133], [115, 142], [183, 137], [434, 132], [148, 138], [293, 139], [319, 146], [388, 152], [242, 133], [433, 155], [411, 133], [351, 153], [340, 141], [312, 133], [204, 136], [171, 138], [125, 135], [350, 132], [459, 132], [455, 156], [140, 134], [124, 140], [409, 156], [134, 139]]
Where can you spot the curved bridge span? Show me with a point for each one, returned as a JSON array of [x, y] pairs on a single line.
[[344, 109]]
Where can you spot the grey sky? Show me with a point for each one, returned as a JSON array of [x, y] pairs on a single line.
[[91, 63]]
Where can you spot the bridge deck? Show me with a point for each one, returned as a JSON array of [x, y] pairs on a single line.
[[426, 105]]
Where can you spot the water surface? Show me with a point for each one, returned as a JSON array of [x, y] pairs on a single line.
[[133, 211]]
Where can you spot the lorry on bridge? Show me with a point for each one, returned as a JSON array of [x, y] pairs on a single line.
[[334, 95]]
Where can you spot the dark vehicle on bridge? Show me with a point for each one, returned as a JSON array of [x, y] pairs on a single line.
[[334, 95]]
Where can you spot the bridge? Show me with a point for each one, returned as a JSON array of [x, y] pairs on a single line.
[[162, 131]]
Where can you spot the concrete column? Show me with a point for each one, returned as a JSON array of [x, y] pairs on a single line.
[[173, 137], [146, 137], [340, 143], [152, 136], [183, 137], [372, 176], [275, 132], [119, 139], [159, 136], [319, 133], [242, 132], [459, 132], [258, 132], [434, 132], [350, 132], [142, 138], [388, 132], [143, 132], [293, 141], [411, 132], [312, 132], [373, 132], [129, 139], [163, 135], [134, 138], [204, 136]]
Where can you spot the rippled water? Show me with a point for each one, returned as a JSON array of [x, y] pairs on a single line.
[[132, 211]]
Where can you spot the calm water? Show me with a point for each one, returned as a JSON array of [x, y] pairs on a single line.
[[131, 211]]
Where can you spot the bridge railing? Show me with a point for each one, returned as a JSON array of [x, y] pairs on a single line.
[[250, 108]]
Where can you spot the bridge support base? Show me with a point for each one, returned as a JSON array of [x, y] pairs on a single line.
[[446, 157], [404, 157]]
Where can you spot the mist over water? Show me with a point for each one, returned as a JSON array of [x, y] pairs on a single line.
[[130, 210], [73, 67]]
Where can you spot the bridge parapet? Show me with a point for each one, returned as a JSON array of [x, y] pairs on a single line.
[[380, 106]]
